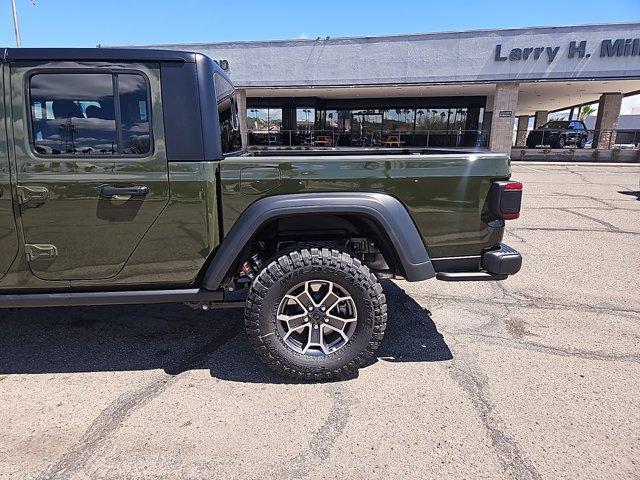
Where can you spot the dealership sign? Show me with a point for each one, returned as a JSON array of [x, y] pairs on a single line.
[[621, 47], [224, 64]]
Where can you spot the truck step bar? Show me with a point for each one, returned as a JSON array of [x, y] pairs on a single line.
[[496, 264], [469, 276], [26, 300]]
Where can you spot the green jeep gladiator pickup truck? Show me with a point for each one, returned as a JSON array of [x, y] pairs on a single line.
[[123, 180]]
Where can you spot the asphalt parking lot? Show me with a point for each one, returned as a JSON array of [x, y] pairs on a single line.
[[534, 377]]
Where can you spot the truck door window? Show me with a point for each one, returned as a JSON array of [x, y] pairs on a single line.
[[230, 139], [75, 114], [59, 123], [132, 90]]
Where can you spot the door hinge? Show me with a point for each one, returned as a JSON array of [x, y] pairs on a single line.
[[39, 251], [32, 196]]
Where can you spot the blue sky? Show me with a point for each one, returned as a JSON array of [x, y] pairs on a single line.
[[116, 22]]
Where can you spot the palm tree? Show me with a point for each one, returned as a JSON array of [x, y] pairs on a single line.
[[420, 113], [585, 111]]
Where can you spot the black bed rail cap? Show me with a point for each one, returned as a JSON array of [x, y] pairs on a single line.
[[97, 54]]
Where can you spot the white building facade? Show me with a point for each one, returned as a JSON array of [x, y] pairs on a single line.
[[438, 89]]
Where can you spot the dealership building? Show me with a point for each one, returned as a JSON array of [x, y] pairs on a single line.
[[482, 88]]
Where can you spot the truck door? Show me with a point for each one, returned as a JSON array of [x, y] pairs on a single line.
[[8, 232], [91, 166]]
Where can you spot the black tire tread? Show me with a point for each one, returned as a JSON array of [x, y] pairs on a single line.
[[306, 259]]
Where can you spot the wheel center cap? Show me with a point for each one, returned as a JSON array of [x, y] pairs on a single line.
[[317, 315]]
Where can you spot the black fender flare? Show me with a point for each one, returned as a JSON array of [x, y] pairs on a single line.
[[387, 211]]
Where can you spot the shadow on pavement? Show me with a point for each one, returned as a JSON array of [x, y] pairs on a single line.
[[633, 194], [175, 338], [411, 335]]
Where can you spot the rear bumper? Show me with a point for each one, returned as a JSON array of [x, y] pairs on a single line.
[[494, 265]]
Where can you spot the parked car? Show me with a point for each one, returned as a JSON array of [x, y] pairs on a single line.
[[558, 134], [123, 180]]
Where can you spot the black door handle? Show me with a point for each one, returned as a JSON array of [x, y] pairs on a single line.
[[112, 191]]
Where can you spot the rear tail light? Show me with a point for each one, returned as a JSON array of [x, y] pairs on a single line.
[[505, 199], [513, 185]]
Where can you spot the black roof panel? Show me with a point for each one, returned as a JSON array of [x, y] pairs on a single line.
[[97, 54]]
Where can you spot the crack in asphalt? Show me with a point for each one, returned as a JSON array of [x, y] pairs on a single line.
[[467, 373], [545, 304], [520, 238], [518, 329], [513, 458], [537, 303], [323, 440], [540, 304], [610, 226], [112, 417], [601, 201], [583, 207], [580, 175], [538, 347], [572, 229], [515, 327], [469, 376]]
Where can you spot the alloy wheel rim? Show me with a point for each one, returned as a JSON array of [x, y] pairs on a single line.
[[316, 317]]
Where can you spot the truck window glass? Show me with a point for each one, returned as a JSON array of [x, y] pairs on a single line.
[[74, 114], [230, 139], [134, 117]]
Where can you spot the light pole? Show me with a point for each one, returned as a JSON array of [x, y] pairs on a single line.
[[15, 23], [255, 111]]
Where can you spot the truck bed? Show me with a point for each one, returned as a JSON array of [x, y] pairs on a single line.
[[348, 151], [445, 193]]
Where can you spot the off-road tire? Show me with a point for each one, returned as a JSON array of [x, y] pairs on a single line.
[[282, 274], [561, 142], [582, 141]]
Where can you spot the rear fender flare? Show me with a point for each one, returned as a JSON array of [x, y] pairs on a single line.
[[387, 211]]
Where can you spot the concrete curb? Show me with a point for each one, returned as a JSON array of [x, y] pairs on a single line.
[[575, 155], [584, 164]]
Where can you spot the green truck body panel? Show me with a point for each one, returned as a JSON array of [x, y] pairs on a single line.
[[93, 238], [176, 247], [58, 234], [443, 193], [8, 231]]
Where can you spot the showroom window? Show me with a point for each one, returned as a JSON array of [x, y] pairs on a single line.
[[305, 118], [398, 119], [264, 119], [264, 125]]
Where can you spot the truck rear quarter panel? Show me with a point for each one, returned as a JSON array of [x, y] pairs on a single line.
[[444, 194]]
